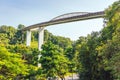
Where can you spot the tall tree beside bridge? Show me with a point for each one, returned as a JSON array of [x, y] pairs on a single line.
[[53, 61]]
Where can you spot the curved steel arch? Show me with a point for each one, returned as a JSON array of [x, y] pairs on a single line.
[[69, 15]]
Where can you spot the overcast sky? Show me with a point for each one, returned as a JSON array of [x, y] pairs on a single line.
[[28, 12]]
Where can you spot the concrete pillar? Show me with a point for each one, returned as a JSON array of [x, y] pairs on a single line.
[[28, 38], [40, 41], [40, 37]]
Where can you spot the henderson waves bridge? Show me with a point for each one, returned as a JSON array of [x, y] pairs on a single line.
[[70, 17]]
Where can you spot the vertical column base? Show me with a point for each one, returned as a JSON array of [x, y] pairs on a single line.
[[40, 41], [28, 38]]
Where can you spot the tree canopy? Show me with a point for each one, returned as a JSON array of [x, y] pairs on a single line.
[[53, 61], [11, 65]]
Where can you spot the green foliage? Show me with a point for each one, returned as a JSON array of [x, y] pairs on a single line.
[[9, 30], [3, 39], [19, 36], [11, 65], [61, 41], [10, 35], [20, 26], [57, 40], [6, 34], [88, 57], [99, 53], [111, 49], [53, 62], [30, 55]]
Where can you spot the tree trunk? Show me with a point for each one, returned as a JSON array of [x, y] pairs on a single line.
[[62, 78]]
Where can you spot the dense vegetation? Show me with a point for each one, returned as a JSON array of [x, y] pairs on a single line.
[[95, 57], [99, 53]]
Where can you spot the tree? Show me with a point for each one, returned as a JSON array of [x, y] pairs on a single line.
[[99, 53], [19, 36], [11, 65], [30, 55], [53, 62], [110, 49], [3, 39], [8, 32], [20, 26], [90, 66]]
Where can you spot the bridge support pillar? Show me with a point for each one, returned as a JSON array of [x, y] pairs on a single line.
[[40, 41], [40, 37], [28, 38]]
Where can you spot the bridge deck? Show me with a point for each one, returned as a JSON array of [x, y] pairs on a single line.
[[65, 19]]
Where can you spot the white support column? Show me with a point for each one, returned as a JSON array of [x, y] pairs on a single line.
[[40, 37], [40, 41], [28, 38]]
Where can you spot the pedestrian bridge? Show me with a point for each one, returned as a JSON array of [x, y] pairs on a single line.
[[65, 18], [69, 17]]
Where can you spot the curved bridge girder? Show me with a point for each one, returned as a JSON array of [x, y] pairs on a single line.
[[70, 17]]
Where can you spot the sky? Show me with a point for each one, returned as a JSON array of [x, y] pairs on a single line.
[[29, 12]]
